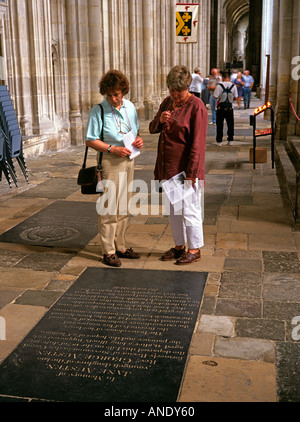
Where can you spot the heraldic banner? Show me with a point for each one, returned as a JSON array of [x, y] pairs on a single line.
[[187, 16]]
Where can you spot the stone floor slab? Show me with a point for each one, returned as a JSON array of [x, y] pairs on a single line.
[[281, 262], [20, 320], [240, 264], [245, 348], [38, 298], [55, 188], [8, 296], [240, 291], [288, 372], [228, 380], [24, 278], [270, 329], [271, 242], [231, 241], [241, 277], [45, 261], [9, 258], [219, 325], [239, 308]]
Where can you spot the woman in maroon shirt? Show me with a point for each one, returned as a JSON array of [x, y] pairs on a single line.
[[182, 124]]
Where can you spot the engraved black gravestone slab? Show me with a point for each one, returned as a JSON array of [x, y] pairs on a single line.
[[117, 335], [62, 224]]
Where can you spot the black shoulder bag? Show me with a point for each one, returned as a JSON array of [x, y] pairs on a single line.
[[89, 178]]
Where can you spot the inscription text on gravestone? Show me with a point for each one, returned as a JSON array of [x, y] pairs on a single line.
[[116, 340]]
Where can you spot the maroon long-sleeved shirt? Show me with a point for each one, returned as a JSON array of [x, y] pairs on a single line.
[[182, 140]]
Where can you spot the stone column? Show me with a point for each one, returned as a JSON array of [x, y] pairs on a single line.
[[266, 44], [148, 57], [253, 50], [164, 47], [172, 32], [134, 91], [60, 67], [273, 49], [204, 41], [284, 68], [73, 65], [294, 124], [38, 14], [213, 33], [18, 66], [221, 28]]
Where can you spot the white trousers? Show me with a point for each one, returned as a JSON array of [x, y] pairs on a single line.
[[187, 223]]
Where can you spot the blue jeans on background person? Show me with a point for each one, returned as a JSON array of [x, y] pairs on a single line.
[[213, 105], [247, 97]]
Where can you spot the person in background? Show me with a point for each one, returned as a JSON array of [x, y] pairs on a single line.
[[233, 75], [214, 80], [120, 117], [225, 93], [249, 83], [239, 82], [182, 123], [205, 94], [195, 87]]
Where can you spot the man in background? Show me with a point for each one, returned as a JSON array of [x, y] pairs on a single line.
[[225, 93], [249, 83], [214, 80], [195, 87]]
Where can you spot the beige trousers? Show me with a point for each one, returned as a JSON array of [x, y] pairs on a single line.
[[112, 226]]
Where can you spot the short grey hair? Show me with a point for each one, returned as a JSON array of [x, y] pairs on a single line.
[[179, 78]]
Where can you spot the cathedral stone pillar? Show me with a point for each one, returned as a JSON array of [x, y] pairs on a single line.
[[95, 25], [3, 7], [294, 124], [40, 37], [148, 58], [134, 91], [284, 68], [74, 77], [18, 66], [253, 50]]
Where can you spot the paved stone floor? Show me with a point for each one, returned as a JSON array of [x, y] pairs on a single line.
[[245, 346]]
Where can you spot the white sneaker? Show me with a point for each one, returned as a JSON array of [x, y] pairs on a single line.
[[211, 123], [219, 144], [230, 143]]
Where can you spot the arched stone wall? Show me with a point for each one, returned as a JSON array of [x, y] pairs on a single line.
[[57, 50]]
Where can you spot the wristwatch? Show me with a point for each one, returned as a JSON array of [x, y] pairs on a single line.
[[108, 149]]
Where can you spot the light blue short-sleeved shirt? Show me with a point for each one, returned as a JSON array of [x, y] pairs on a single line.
[[248, 81], [115, 121]]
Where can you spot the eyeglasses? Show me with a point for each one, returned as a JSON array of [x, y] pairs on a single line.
[[125, 126]]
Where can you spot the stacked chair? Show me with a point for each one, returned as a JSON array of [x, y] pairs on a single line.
[[10, 140]]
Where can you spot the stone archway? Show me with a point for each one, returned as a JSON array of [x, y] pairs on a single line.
[[237, 23]]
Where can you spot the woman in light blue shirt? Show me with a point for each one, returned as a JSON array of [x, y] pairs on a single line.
[[120, 118]]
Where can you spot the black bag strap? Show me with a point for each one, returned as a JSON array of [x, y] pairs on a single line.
[[101, 138], [228, 90]]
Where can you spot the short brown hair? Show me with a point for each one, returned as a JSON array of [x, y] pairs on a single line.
[[179, 78], [114, 80]]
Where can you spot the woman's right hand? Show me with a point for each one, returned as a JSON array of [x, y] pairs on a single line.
[[165, 115], [122, 152]]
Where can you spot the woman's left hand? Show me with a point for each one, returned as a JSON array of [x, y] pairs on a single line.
[[138, 143]]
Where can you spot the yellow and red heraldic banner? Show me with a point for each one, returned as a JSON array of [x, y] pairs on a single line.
[[187, 20]]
